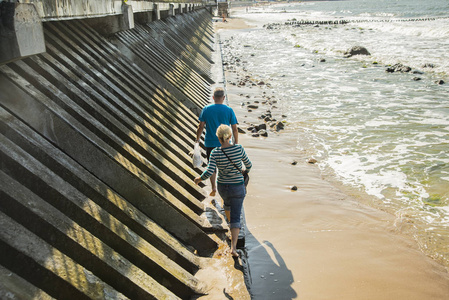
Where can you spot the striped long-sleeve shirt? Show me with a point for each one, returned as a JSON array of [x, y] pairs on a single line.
[[227, 173]]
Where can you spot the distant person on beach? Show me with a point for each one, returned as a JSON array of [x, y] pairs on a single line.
[[224, 18], [212, 116], [230, 181]]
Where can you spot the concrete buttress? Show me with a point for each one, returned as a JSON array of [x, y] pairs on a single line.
[[97, 199]]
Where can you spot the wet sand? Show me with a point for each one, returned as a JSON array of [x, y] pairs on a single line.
[[231, 23], [318, 242]]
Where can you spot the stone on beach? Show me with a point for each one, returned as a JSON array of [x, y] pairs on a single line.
[[267, 118], [261, 126], [263, 133], [279, 126], [312, 161]]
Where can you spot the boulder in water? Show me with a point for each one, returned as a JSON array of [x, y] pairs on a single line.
[[429, 65], [398, 68], [357, 50]]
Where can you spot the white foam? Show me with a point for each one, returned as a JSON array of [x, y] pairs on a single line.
[[376, 123], [379, 132]]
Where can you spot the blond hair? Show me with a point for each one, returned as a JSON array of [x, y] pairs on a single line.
[[224, 132]]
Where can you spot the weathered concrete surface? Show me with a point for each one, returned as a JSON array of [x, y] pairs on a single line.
[[102, 154], [75, 9], [15, 287], [46, 267], [177, 59], [94, 190], [97, 195], [65, 205], [21, 32]]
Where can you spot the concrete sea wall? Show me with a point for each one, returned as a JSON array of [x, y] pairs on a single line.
[[97, 195]]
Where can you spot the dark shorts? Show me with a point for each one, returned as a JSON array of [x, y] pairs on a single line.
[[208, 151]]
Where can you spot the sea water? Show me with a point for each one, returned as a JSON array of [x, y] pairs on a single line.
[[383, 134]]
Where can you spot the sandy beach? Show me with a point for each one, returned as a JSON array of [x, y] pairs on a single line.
[[318, 242]]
